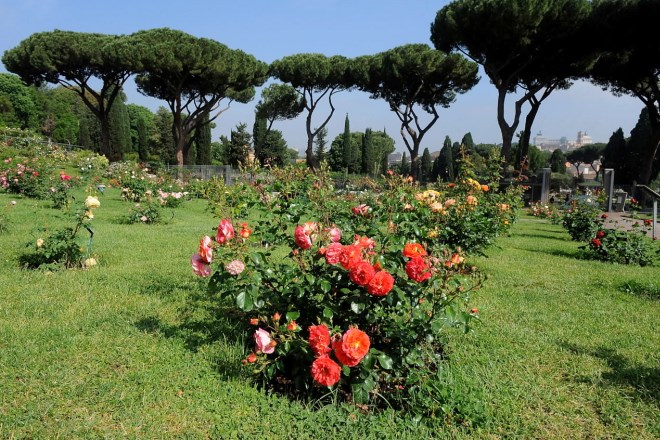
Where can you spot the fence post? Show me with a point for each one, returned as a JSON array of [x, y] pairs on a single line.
[[545, 186], [608, 185]]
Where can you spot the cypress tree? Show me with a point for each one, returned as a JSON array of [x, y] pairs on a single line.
[[405, 165], [120, 128], [368, 159], [259, 135], [426, 166], [347, 145], [203, 142]]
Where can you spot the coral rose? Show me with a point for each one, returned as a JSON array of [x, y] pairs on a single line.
[[454, 260], [485, 188], [225, 231], [350, 256], [263, 341], [412, 250], [251, 358], [471, 200], [352, 347], [245, 231], [205, 249], [364, 242], [449, 203], [417, 269], [361, 210], [199, 266], [380, 284], [333, 253], [362, 273], [325, 371], [319, 339]]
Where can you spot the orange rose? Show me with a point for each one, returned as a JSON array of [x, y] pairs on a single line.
[[412, 250], [352, 347]]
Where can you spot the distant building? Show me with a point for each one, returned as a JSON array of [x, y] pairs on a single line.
[[548, 144], [394, 158], [562, 143]]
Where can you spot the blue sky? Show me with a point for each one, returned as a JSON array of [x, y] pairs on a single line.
[[270, 29]]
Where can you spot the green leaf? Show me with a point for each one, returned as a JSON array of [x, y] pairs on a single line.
[[385, 361], [325, 286], [357, 307], [292, 316], [244, 301], [328, 313]]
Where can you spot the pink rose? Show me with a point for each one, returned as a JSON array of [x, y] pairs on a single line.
[[199, 266], [303, 240], [205, 249], [334, 234], [361, 210], [225, 231], [235, 267], [333, 253], [262, 341], [304, 235]]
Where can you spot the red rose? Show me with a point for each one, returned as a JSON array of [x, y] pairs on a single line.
[[648, 222], [596, 242], [350, 256], [602, 216], [325, 371], [417, 269], [319, 339], [362, 273], [600, 234], [380, 284]]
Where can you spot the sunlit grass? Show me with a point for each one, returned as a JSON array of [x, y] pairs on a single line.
[[135, 348]]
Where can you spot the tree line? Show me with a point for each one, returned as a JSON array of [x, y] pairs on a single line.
[[527, 48]]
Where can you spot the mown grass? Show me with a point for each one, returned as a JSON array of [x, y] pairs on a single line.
[[135, 348]]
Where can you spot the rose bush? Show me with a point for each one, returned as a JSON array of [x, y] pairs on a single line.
[[61, 248], [354, 290]]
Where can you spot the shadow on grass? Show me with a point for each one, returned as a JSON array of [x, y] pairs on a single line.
[[547, 236], [205, 323], [556, 252], [643, 290], [645, 381]]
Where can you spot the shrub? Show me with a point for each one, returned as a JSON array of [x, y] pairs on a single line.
[[354, 291], [621, 246], [147, 213], [61, 248], [581, 221]]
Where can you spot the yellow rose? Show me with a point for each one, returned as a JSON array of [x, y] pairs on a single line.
[[90, 262], [92, 202], [40, 242]]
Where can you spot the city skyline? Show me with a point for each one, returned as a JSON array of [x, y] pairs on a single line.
[[272, 31]]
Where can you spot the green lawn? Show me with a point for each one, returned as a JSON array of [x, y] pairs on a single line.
[[134, 348]]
